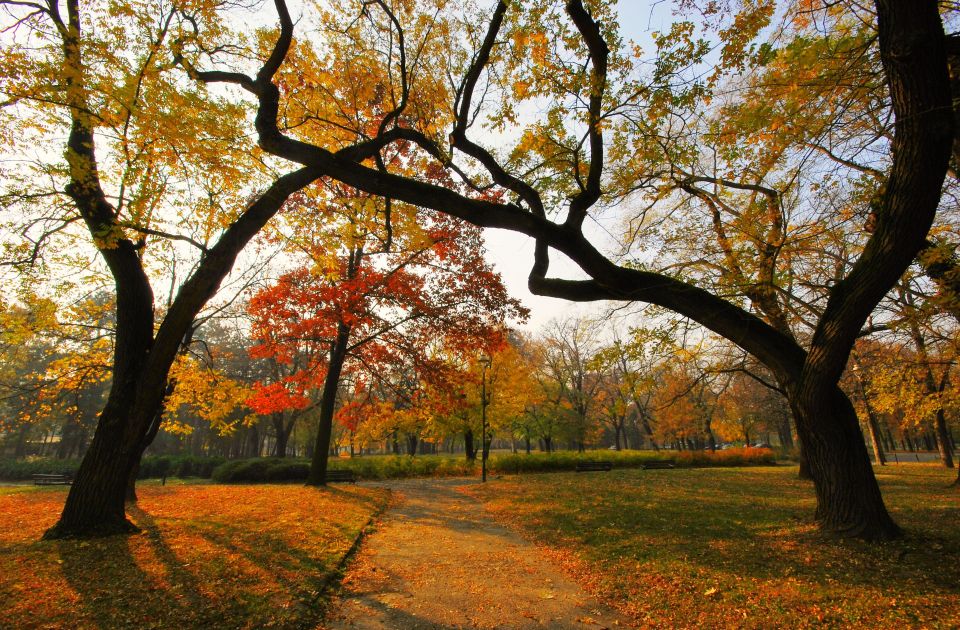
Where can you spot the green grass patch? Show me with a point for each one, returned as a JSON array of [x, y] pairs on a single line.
[[736, 547]]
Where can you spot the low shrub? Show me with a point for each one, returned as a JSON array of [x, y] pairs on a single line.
[[182, 466], [515, 463], [22, 469], [273, 469], [267, 470], [151, 467], [746, 456]]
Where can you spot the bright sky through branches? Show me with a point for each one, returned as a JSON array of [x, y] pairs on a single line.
[[512, 253]]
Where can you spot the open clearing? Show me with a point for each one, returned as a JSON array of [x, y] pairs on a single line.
[[438, 560], [721, 547], [735, 547]]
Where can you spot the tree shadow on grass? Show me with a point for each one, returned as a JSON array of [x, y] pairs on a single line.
[[115, 591], [696, 523], [393, 617], [304, 579]]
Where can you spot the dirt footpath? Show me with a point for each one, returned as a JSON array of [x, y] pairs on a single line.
[[437, 560]]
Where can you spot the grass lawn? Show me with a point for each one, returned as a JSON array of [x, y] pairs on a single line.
[[735, 547], [209, 556]]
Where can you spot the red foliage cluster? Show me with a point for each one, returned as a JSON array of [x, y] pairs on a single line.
[[406, 311]]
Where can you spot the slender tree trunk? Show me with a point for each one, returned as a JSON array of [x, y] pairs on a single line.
[[784, 432], [468, 445], [67, 431], [943, 439], [412, 441], [328, 400], [282, 432], [645, 425], [873, 429], [888, 442], [20, 448]]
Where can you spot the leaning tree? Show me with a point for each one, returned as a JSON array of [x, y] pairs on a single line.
[[578, 73], [559, 175]]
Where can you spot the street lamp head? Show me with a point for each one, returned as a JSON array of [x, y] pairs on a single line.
[[485, 361]]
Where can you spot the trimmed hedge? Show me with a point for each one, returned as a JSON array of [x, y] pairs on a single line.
[[182, 466], [152, 467], [265, 470], [22, 469], [273, 469], [567, 460]]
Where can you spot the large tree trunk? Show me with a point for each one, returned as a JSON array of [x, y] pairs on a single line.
[[848, 497], [328, 401], [95, 503]]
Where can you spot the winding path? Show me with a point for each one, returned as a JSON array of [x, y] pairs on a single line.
[[437, 561]]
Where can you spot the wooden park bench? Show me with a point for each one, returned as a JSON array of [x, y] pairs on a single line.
[[51, 480], [340, 475], [654, 464], [589, 466]]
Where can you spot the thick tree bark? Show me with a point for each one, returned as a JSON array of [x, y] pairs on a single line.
[[848, 497], [328, 401]]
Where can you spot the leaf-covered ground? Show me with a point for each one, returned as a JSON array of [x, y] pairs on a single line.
[[736, 547], [209, 557]]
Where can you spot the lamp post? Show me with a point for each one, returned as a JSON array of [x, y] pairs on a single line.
[[484, 364]]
